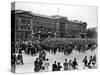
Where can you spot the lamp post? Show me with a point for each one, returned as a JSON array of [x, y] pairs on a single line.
[[39, 36], [49, 35], [84, 35], [55, 35], [32, 36]]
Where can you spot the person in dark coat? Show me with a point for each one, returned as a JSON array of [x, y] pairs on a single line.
[[20, 58], [28, 50], [94, 61], [37, 66], [55, 50], [54, 66], [33, 51], [74, 64], [40, 63], [59, 67], [44, 55], [85, 62], [90, 62]]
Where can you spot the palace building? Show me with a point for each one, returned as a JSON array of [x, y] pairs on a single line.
[[30, 26]]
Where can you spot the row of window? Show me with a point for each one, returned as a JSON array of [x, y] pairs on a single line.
[[23, 27], [75, 26], [23, 36], [45, 24], [43, 19], [44, 29], [25, 21]]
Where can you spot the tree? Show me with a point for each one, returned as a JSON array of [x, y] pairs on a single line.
[[91, 33]]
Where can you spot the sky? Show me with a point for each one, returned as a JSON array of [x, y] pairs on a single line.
[[73, 12]]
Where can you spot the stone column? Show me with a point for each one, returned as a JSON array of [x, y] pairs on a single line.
[[49, 35], [39, 36], [32, 31], [55, 35]]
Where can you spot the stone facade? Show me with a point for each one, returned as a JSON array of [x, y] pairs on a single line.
[[28, 25]]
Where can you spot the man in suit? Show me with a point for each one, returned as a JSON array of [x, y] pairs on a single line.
[[54, 66]]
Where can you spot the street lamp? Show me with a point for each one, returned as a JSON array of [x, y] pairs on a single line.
[[39, 32], [32, 35], [49, 35], [55, 34], [39, 36]]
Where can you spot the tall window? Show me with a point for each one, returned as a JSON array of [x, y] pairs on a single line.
[[62, 26], [62, 29]]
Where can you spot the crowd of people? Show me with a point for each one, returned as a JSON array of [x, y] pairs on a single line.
[[68, 45], [52, 46], [43, 65]]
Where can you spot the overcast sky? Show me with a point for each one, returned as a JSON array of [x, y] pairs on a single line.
[[82, 13]]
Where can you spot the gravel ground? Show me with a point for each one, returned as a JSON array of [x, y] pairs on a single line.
[[59, 57]]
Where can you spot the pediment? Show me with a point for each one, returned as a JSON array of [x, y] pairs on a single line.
[[62, 19]]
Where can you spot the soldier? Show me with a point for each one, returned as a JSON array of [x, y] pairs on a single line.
[[43, 55], [65, 49], [28, 50], [55, 50]]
